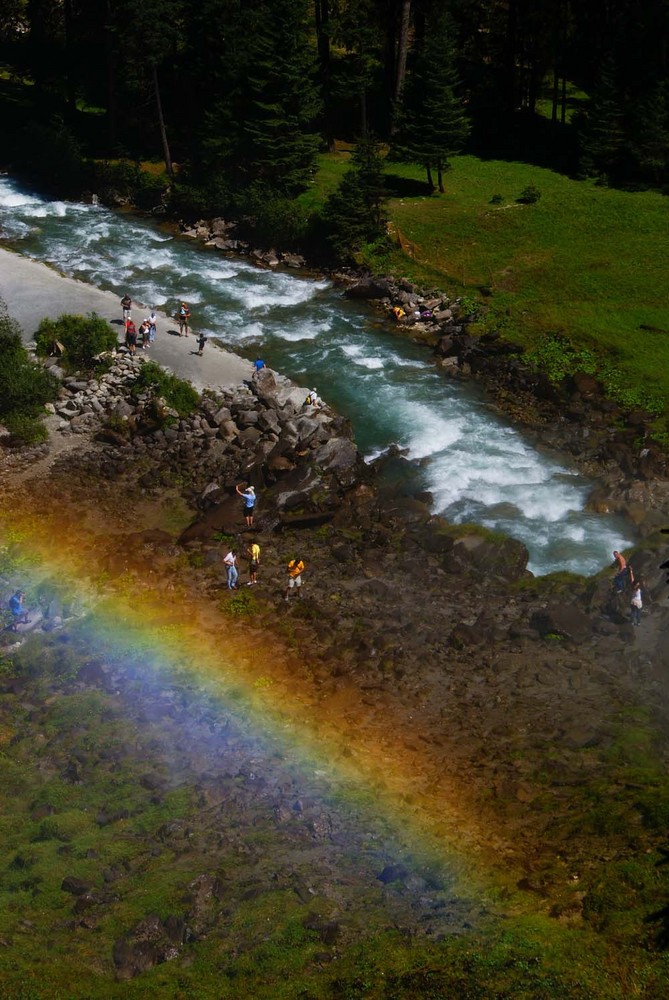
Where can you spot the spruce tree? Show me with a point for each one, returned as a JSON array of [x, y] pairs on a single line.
[[603, 135], [278, 141], [431, 123], [355, 214]]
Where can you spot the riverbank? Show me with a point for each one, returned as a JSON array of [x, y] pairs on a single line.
[[33, 291]]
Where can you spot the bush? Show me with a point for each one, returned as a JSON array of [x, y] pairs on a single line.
[[529, 195], [51, 156], [177, 393], [25, 430], [496, 199], [83, 337], [24, 386]]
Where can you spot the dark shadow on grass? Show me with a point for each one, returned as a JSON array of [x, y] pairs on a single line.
[[406, 187]]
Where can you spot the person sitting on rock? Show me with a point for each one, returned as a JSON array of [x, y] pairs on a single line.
[[19, 613]]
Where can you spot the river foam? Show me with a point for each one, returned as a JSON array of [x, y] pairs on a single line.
[[476, 466]]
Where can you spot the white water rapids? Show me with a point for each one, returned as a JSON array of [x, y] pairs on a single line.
[[477, 467]]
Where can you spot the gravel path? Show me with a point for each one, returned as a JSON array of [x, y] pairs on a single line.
[[31, 291]]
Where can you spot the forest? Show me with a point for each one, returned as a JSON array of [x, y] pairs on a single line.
[[238, 97]]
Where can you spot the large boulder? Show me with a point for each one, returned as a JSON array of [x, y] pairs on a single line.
[[563, 620], [492, 555]]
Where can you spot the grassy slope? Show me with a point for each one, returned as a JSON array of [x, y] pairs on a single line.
[[585, 261]]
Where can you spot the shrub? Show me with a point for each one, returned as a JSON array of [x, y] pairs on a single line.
[[177, 393], [529, 195], [496, 199], [25, 430], [24, 386], [82, 337]]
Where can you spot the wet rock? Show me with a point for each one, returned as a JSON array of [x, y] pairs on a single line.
[[563, 620]]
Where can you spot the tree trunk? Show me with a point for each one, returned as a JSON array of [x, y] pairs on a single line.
[[402, 48], [510, 54], [440, 177], [322, 12], [555, 99], [430, 182], [70, 61], [161, 124], [363, 112]]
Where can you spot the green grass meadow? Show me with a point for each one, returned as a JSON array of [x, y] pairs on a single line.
[[586, 263]]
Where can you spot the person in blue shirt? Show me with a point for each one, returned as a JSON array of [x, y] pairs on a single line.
[[258, 366], [249, 497], [19, 613]]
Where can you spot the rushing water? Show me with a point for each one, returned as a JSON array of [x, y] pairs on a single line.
[[476, 465]]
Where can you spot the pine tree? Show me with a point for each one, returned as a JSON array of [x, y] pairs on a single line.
[[279, 144], [355, 214], [603, 136], [650, 146], [432, 124]]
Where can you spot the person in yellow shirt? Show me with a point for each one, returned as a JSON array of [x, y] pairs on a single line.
[[295, 570], [253, 552]]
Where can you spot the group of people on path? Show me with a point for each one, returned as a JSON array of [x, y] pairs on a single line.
[[624, 577], [146, 334]]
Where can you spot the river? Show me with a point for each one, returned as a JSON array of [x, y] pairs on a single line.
[[477, 466]]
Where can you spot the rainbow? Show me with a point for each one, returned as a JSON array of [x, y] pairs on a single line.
[[360, 747]]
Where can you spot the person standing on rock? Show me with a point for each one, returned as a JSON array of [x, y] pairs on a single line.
[[295, 570], [623, 573], [258, 366], [126, 306], [231, 570], [183, 317], [636, 604], [249, 497], [253, 552], [19, 613]]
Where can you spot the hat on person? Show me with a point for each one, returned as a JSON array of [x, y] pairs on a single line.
[[249, 489]]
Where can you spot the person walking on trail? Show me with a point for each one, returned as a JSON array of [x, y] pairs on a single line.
[[249, 497], [636, 604], [19, 613], [152, 320], [201, 341], [231, 570], [144, 334], [131, 337], [126, 306], [295, 570], [183, 316], [623, 573], [253, 552]]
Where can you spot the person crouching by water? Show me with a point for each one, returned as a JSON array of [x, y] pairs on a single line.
[[624, 573], [313, 399], [19, 613], [636, 604], [249, 497], [295, 570]]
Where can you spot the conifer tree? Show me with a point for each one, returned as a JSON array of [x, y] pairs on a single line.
[[431, 123], [355, 214], [603, 135]]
